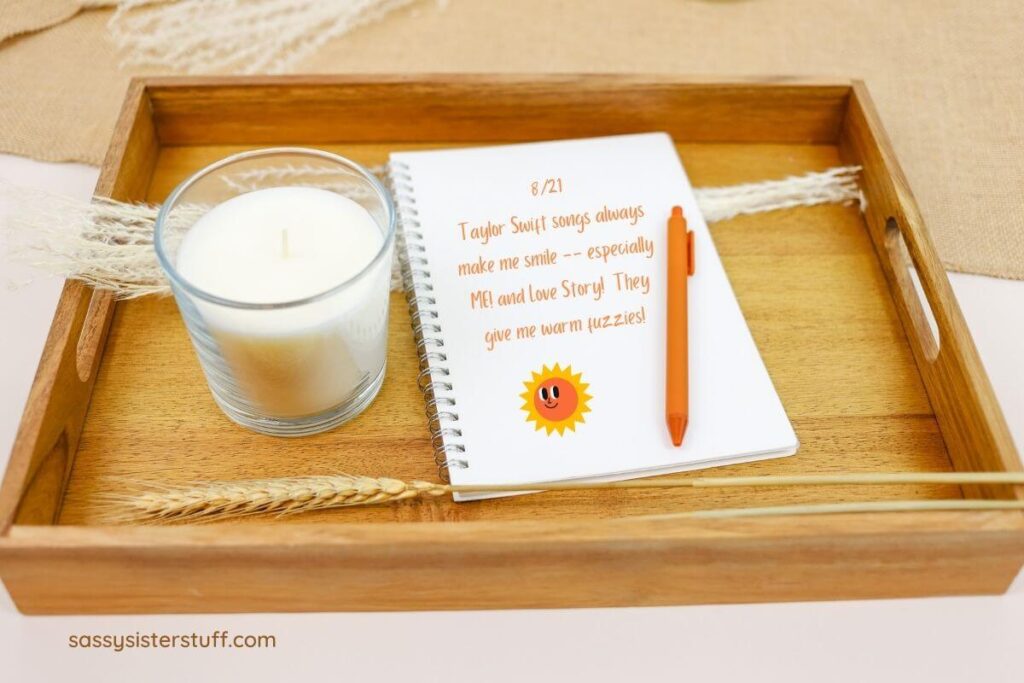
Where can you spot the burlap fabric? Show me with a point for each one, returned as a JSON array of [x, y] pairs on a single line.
[[947, 75]]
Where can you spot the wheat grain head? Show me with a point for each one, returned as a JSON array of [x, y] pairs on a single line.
[[227, 499]]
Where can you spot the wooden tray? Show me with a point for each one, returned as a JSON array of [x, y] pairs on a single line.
[[826, 290]]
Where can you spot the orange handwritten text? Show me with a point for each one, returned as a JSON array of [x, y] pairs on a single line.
[[546, 186], [605, 322], [481, 233], [478, 267]]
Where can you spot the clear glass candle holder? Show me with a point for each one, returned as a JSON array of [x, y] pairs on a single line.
[[283, 284]]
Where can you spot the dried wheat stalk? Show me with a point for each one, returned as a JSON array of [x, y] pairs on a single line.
[[219, 500], [109, 244]]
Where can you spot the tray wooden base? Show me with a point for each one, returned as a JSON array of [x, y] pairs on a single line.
[[810, 286]]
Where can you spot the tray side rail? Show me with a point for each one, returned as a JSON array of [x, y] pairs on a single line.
[[44, 447], [493, 108], [486, 565], [973, 427]]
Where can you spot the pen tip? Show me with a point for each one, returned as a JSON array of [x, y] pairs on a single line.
[[676, 428], [677, 211]]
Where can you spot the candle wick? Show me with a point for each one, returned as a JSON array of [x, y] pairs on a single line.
[[284, 243]]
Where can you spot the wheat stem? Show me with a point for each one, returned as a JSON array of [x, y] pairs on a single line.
[[218, 500], [764, 480], [838, 508]]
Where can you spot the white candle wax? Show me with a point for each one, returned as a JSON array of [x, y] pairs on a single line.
[[280, 245]]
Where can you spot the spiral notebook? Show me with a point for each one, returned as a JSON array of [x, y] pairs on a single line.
[[536, 279]]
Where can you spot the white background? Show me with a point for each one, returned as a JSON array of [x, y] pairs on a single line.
[[947, 639]]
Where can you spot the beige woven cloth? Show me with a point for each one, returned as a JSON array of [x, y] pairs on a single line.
[[947, 75]]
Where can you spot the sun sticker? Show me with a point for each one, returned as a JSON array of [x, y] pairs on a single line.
[[556, 399]]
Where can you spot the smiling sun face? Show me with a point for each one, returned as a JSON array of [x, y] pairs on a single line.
[[555, 399]]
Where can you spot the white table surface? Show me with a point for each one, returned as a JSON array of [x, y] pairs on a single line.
[[942, 639]]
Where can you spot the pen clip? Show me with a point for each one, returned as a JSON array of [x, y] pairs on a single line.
[[689, 252]]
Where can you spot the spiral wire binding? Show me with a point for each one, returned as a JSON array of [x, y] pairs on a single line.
[[432, 378]]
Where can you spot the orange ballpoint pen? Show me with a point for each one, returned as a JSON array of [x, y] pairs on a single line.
[[677, 368]]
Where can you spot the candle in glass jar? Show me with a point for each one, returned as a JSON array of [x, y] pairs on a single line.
[[286, 244]]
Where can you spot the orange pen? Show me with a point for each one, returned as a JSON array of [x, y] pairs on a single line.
[[677, 368]]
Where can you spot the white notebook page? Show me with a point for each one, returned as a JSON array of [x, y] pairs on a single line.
[[600, 206]]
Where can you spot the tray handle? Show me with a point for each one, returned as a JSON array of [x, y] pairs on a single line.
[[968, 415], [910, 287]]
